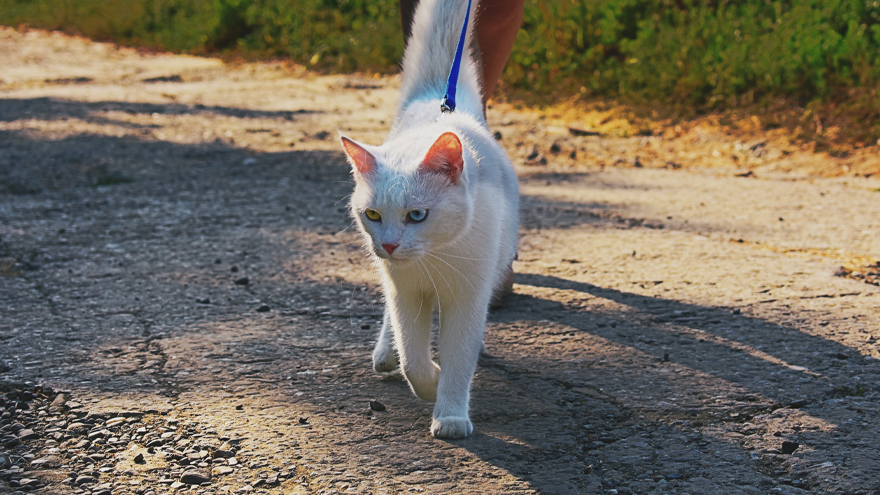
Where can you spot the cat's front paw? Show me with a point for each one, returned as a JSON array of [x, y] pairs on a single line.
[[452, 427], [385, 359]]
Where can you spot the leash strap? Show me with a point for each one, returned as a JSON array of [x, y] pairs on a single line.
[[448, 103]]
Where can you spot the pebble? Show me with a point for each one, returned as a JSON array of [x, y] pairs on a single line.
[[195, 477], [224, 454], [115, 421], [264, 308], [376, 405], [82, 480], [28, 434], [242, 281], [232, 461], [139, 459], [222, 470]]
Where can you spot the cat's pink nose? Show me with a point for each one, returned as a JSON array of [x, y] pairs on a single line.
[[390, 247]]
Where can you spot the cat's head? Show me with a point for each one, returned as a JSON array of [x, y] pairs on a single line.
[[409, 199]]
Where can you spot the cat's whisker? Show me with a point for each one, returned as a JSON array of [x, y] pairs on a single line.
[[437, 295], [422, 301], [461, 257], [451, 290], [454, 268]]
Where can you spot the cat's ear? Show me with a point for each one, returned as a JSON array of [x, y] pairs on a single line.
[[445, 157], [361, 160]]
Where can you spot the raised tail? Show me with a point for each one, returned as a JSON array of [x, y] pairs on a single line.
[[429, 55]]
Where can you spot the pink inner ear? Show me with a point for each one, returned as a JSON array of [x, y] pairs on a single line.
[[444, 157], [361, 159]]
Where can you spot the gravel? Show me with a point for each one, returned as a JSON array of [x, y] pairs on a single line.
[[91, 446]]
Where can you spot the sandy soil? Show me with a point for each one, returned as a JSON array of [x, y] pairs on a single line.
[[174, 251]]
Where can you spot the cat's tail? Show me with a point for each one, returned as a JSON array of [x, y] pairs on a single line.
[[429, 53]]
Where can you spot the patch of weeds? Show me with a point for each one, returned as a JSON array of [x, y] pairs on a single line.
[[103, 176], [858, 391]]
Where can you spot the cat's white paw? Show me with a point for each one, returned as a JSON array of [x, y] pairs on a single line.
[[385, 359], [452, 427], [424, 381]]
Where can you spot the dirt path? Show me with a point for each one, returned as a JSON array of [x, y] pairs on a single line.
[[178, 278]]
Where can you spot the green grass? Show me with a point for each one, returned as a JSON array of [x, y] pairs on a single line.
[[695, 55]]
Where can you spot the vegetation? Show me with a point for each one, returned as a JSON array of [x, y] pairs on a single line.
[[707, 55]]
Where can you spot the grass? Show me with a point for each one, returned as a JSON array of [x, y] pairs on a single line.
[[812, 66]]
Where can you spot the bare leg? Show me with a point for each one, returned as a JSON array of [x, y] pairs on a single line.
[[497, 23]]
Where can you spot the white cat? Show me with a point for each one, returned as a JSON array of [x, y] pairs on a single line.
[[437, 204]]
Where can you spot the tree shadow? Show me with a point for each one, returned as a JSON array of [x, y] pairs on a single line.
[[639, 346], [29, 166], [51, 109]]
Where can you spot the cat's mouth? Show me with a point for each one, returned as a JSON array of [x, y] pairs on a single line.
[[397, 256]]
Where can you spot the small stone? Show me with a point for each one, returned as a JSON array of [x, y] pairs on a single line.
[[245, 489], [85, 479], [28, 434], [264, 308], [497, 135], [789, 447], [232, 461], [195, 477], [272, 479], [376, 405], [242, 281], [222, 470], [223, 454], [303, 420], [204, 300], [114, 421], [102, 492], [60, 400], [175, 485], [674, 476], [139, 459]]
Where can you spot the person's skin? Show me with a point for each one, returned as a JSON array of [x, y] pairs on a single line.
[[497, 23]]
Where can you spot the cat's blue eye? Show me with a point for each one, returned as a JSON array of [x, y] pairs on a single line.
[[416, 216]]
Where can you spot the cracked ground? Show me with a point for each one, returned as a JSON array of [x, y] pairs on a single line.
[[181, 291]]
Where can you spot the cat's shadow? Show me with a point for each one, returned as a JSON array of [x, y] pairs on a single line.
[[532, 410]]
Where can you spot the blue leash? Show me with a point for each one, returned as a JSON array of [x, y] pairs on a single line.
[[448, 103]]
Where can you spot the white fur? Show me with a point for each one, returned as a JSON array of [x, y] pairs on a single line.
[[451, 262]]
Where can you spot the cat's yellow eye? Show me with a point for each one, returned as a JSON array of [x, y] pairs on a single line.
[[373, 215]]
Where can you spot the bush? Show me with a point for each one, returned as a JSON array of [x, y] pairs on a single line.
[[697, 51], [700, 53]]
